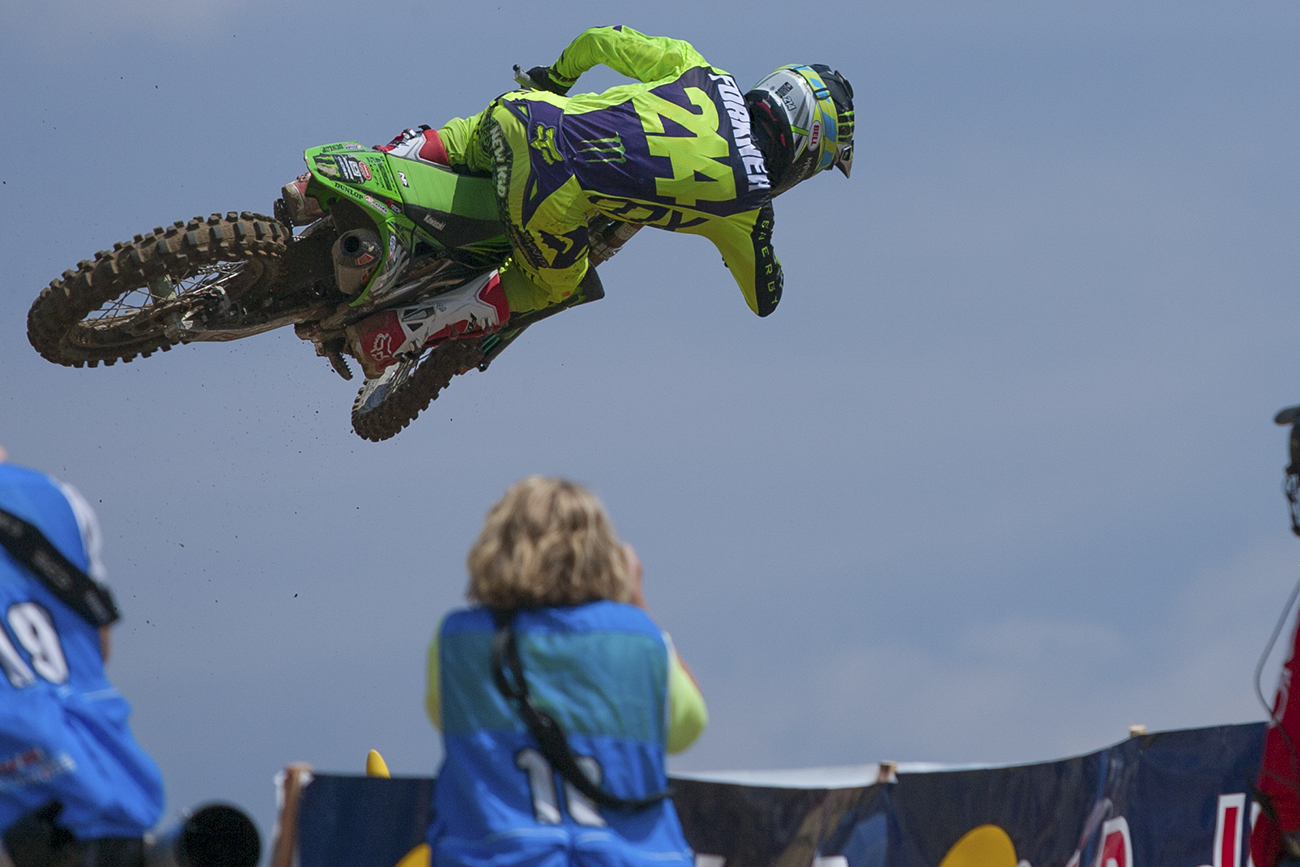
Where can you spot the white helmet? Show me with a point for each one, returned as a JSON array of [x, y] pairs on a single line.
[[805, 113]]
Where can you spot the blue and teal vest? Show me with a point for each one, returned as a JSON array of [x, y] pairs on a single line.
[[63, 727], [601, 670]]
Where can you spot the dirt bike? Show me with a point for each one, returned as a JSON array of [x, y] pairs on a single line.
[[393, 231]]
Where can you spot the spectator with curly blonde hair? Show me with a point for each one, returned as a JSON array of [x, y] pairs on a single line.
[[547, 542], [549, 573]]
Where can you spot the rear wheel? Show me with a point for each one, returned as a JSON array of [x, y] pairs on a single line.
[[390, 402], [159, 289]]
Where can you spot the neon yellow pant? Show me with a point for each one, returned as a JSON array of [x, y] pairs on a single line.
[[549, 237]]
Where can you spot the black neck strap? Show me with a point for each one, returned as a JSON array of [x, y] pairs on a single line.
[[28, 545], [543, 727]]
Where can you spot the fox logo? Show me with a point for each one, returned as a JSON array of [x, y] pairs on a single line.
[[382, 345]]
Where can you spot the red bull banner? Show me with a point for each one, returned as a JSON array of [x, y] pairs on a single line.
[[1169, 799]]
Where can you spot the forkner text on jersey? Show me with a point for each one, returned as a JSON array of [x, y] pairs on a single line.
[[755, 168]]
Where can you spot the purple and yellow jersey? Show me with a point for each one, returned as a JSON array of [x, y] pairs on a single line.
[[673, 151]]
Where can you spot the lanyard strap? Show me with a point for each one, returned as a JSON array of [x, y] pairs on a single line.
[[28, 545], [543, 727]]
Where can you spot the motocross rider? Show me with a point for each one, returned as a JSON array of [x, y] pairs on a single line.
[[684, 150]]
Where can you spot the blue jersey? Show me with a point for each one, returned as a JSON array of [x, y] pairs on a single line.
[[601, 670], [63, 727]]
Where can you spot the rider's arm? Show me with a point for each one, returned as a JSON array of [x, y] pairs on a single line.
[[745, 241], [687, 714], [624, 50]]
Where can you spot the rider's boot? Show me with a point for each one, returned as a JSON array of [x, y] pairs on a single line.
[[303, 209], [477, 308], [421, 143]]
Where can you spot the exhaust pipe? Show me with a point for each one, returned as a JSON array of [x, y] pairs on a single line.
[[216, 835], [357, 253]]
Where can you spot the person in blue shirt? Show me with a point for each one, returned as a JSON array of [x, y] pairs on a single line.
[[549, 563], [75, 786]]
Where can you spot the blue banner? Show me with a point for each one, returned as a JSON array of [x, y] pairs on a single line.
[[1171, 799]]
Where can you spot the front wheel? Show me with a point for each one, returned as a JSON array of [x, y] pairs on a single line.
[[159, 289]]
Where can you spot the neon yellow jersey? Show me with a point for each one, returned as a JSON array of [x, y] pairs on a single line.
[[673, 151]]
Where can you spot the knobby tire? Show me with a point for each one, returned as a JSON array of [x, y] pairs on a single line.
[[60, 324], [385, 417]]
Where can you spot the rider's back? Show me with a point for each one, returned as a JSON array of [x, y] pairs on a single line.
[[672, 151], [63, 727], [602, 671]]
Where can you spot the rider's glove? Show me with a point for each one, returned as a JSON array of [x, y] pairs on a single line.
[[546, 78]]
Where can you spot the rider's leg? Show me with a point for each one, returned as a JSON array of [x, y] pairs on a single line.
[[547, 266], [525, 292], [478, 307], [545, 212]]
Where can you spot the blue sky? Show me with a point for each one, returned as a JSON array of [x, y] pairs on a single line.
[[997, 479]]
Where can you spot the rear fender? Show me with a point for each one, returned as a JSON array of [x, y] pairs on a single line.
[[351, 172], [409, 202]]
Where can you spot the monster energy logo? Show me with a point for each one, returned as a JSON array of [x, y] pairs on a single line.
[[603, 150]]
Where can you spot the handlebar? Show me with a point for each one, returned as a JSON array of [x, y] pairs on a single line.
[[522, 79]]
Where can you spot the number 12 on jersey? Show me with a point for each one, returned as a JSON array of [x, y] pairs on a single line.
[[546, 795]]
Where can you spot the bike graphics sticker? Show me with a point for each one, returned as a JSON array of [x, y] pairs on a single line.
[[381, 205], [352, 170], [326, 166], [343, 167], [383, 175]]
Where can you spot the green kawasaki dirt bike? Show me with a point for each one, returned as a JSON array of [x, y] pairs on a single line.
[[394, 231]]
